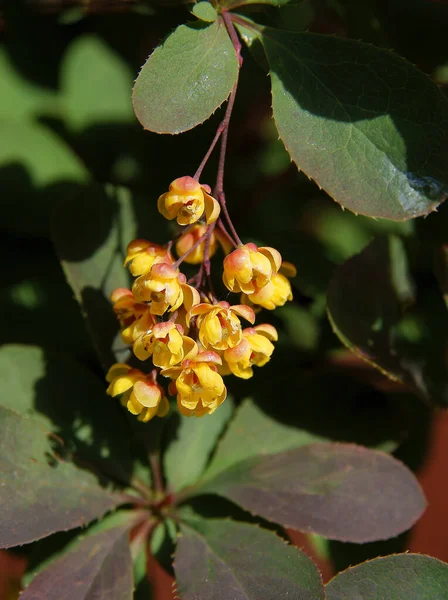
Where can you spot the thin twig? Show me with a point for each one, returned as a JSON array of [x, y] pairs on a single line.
[[194, 246]]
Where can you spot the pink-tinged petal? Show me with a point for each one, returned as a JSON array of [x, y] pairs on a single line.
[[163, 271], [206, 188], [212, 209], [208, 356], [269, 331], [148, 394], [288, 269], [244, 311], [117, 370], [120, 293], [161, 330], [191, 296], [273, 255], [239, 353], [185, 185]]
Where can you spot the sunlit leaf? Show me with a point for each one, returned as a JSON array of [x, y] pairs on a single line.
[[220, 558], [186, 78], [367, 126]]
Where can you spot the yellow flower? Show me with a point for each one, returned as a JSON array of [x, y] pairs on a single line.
[[200, 388], [249, 268], [165, 288], [255, 348], [186, 201], [188, 239], [219, 325], [142, 255], [166, 344], [128, 311], [138, 392], [275, 293]]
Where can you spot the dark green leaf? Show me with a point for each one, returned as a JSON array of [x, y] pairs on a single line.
[[366, 125], [370, 302], [189, 451], [221, 559], [91, 233], [35, 384], [252, 432], [340, 491], [186, 78], [40, 493], [99, 566], [399, 577]]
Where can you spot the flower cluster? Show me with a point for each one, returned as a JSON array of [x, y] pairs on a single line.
[[192, 339]]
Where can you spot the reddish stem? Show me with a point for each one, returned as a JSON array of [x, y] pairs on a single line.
[[194, 246]]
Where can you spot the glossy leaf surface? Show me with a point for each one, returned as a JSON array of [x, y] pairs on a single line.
[[341, 491], [367, 126], [399, 577], [217, 559], [186, 79], [40, 493]]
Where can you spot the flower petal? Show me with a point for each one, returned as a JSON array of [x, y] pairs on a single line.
[[212, 209]]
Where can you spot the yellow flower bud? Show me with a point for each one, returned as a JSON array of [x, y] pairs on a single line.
[[142, 255], [187, 201], [192, 237], [249, 268], [128, 311], [200, 388], [219, 325], [275, 293], [139, 393], [255, 348]]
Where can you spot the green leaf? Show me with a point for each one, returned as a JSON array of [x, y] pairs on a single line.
[[371, 302], [366, 125], [221, 558], [40, 493], [37, 169], [34, 382], [91, 232], [399, 577], [99, 566], [96, 84], [252, 432], [186, 78], [205, 11], [340, 491], [189, 451]]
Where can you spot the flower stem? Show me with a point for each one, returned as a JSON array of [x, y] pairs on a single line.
[[180, 260]]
